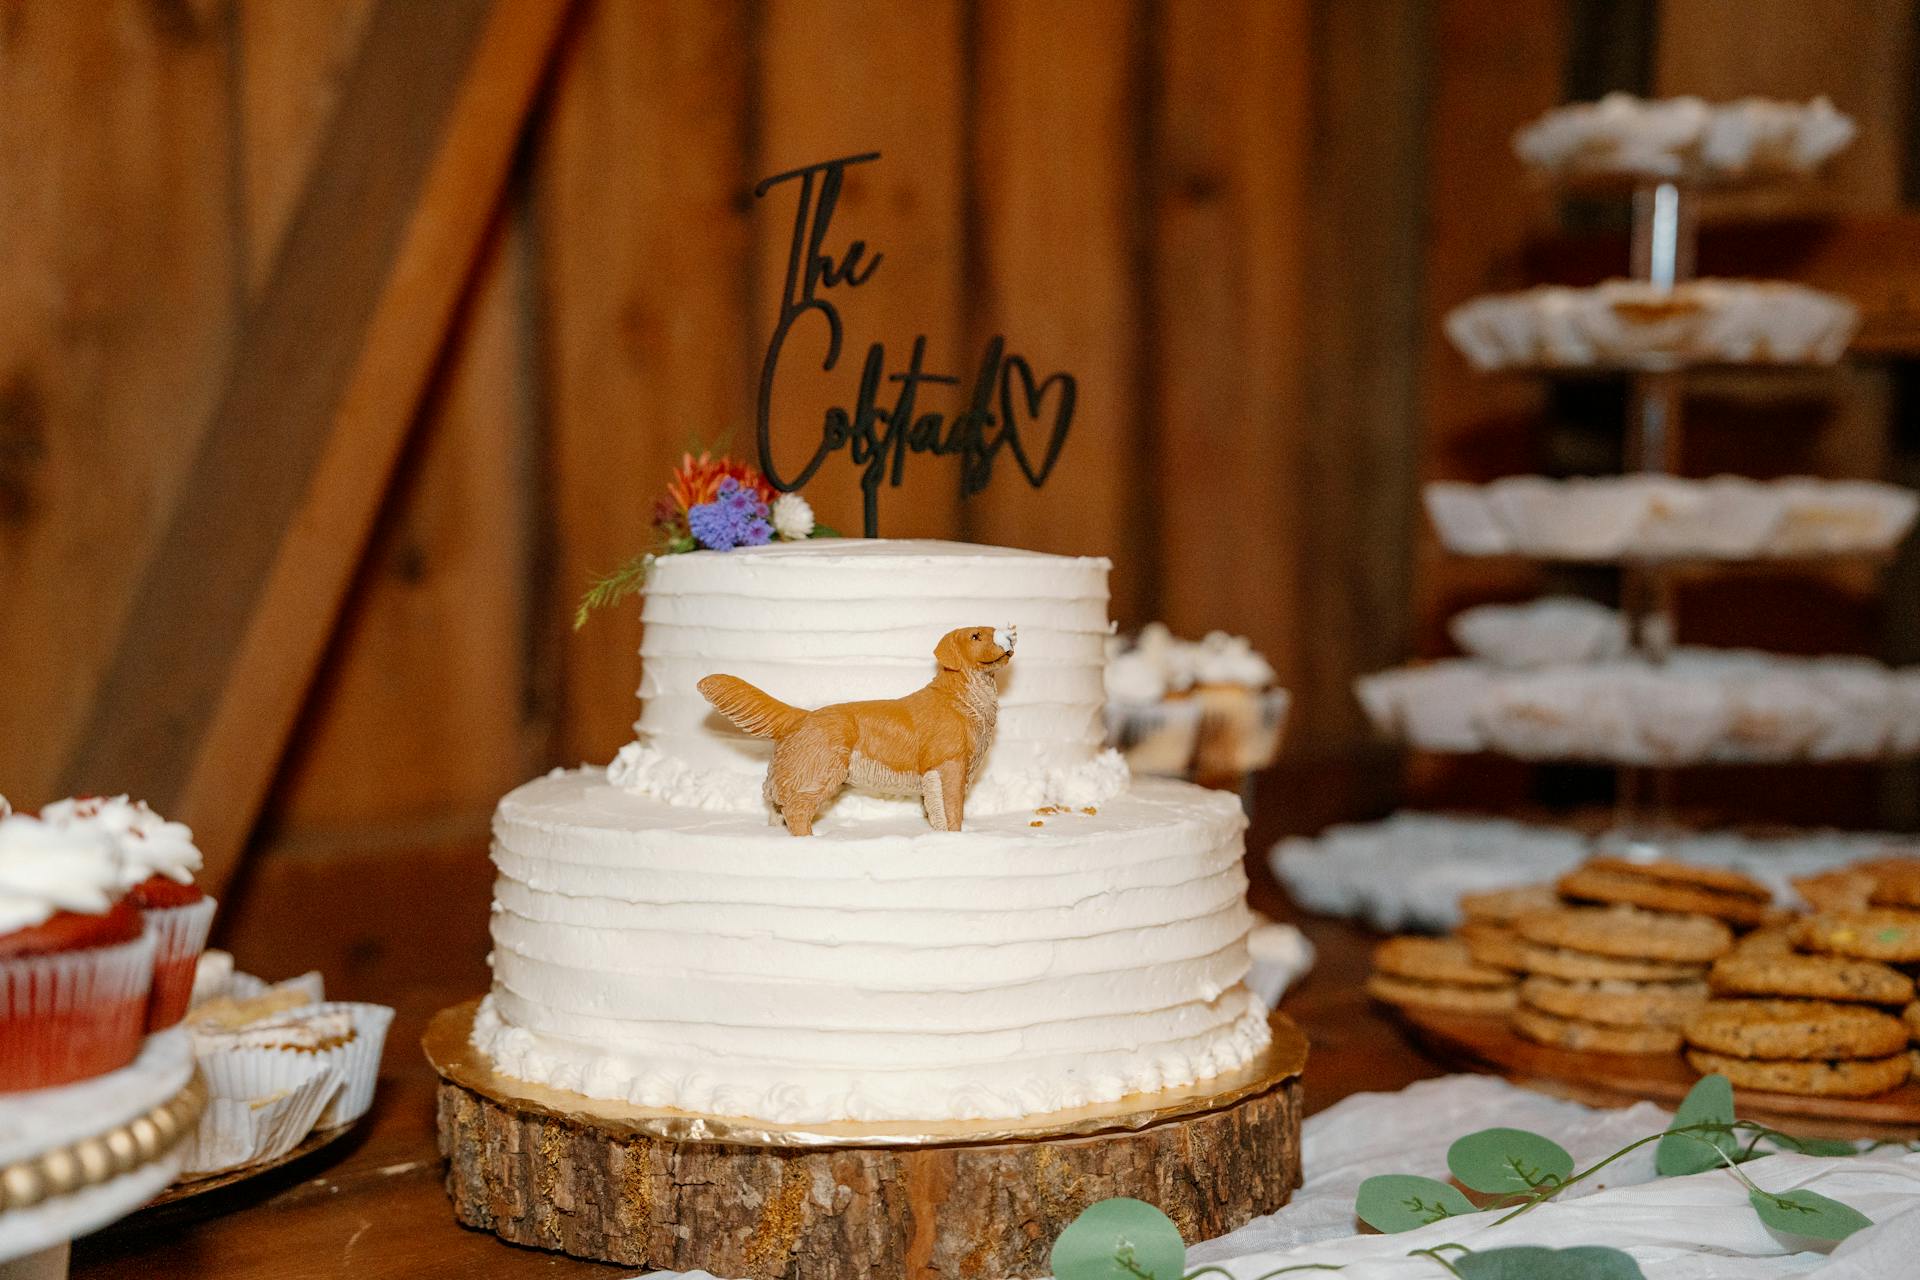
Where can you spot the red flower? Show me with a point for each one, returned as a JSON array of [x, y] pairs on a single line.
[[697, 480]]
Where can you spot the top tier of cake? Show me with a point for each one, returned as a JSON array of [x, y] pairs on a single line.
[[838, 620]]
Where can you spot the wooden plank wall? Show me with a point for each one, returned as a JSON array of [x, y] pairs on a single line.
[[1078, 175], [1237, 221]]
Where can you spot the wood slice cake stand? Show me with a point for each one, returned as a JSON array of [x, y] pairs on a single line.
[[855, 1201], [1484, 1043]]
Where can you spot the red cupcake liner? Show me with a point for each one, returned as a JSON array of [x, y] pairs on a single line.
[[70, 1015], [179, 936]]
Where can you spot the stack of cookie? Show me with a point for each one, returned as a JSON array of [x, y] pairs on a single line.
[[1613, 979], [1438, 974], [1809, 1008], [1623, 967]]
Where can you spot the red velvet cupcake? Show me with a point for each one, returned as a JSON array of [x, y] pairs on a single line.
[[159, 860], [76, 962]]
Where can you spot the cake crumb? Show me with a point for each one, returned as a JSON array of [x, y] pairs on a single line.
[[1036, 823], [1091, 812]]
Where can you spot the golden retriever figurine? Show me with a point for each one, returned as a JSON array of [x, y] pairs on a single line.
[[930, 743]]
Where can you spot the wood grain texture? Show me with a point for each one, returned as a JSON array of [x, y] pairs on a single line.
[[420, 706], [292, 61], [1051, 202], [643, 257], [1229, 214], [1498, 66], [1353, 484], [852, 1213], [839, 78], [118, 300], [231, 613]]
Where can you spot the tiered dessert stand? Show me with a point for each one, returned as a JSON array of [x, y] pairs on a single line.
[[1670, 708]]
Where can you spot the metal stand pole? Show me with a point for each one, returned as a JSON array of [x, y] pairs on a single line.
[[1664, 238]]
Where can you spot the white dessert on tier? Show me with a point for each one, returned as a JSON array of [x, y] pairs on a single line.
[[848, 619], [657, 941]]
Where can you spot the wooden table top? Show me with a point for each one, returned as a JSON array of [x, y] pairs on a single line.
[[373, 1206]]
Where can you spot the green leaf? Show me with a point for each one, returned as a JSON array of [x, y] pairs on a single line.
[[822, 531], [1808, 1213], [1119, 1239], [1536, 1262], [630, 579], [1503, 1161], [1393, 1202], [1710, 1101], [1815, 1146]]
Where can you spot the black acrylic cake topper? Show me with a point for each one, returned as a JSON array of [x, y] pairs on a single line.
[[1005, 392]]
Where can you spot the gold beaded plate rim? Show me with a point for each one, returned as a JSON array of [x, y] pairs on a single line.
[[449, 1048], [99, 1159]]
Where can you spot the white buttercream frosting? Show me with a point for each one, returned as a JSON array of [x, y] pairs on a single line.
[[877, 970], [848, 619], [149, 844], [47, 868]]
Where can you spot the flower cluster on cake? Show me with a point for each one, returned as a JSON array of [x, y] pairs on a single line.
[[660, 939]]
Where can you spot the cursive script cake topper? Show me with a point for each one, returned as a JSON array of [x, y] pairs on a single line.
[[1004, 395]]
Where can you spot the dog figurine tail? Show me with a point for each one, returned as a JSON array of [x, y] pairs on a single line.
[[752, 711]]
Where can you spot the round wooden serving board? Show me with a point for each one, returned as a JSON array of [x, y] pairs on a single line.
[[1615, 1079], [671, 1190]]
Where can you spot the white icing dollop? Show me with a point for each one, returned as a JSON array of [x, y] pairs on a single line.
[[645, 770], [149, 844], [46, 868]]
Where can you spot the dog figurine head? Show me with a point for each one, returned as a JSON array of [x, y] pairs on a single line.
[[973, 649]]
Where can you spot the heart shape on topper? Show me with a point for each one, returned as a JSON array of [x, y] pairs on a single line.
[[1035, 395]]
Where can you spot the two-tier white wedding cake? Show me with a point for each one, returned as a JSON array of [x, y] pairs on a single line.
[[658, 939]]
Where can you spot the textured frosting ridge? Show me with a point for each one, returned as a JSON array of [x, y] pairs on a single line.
[[700, 960], [842, 620]]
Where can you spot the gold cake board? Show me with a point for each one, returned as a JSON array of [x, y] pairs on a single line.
[[650, 1187]]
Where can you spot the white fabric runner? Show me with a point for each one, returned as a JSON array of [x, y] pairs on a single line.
[[1695, 1228]]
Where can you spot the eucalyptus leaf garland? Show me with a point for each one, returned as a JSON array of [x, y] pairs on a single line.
[[1513, 1170]]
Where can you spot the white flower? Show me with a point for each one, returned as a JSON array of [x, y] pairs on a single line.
[[792, 517]]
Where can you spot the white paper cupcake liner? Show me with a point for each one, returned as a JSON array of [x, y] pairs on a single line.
[[358, 1060], [179, 935], [1703, 706], [262, 1103], [1157, 738], [42, 997], [1633, 324], [1654, 518], [1626, 137], [265, 1101]]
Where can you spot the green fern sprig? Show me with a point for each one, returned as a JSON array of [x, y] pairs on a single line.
[[630, 579]]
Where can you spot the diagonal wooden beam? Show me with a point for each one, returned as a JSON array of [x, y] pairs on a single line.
[[233, 611]]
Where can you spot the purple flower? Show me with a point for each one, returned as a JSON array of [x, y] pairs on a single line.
[[736, 518]]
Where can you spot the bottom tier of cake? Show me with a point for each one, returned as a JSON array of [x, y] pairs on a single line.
[[1034, 962]]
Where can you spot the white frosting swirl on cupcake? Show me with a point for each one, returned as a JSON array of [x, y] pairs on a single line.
[[149, 844], [47, 868]]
